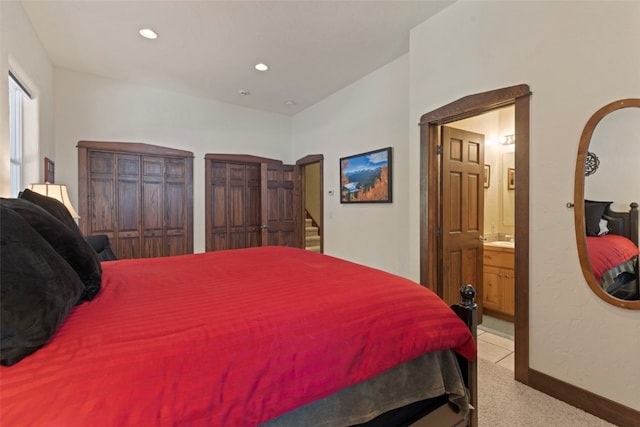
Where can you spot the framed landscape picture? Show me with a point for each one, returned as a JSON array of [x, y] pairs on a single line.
[[366, 177]]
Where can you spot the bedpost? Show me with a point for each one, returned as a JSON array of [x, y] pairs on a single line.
[[467, 310], [633, 222]]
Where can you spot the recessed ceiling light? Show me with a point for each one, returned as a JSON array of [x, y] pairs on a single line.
[[261, 67], [290, 103], [148, 33], [242, 92]]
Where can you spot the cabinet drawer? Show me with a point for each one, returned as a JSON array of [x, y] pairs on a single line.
[[499, 258]]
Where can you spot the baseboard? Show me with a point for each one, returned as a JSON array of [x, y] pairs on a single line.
[[592, 403]]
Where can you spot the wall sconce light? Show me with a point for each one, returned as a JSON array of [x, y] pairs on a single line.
[[55, 191], [507, 139]]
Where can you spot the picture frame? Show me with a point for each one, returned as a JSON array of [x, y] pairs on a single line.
[[487, 175], [366, 177], [49, 171], [511, 179]]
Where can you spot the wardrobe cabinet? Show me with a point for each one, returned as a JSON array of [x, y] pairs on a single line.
[[233, 216], [251, 201], [139, 195]]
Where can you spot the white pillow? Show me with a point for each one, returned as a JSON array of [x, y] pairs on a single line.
[[603, 227]]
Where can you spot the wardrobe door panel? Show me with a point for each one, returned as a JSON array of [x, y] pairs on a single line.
[[152, 246], [152, 206], [101, 163], [175, 217], [236, 197], [174, 244], [128, 233], [101, 216], [253, 217], [218, 242], [178, 206], [217, 207], [101, 190]]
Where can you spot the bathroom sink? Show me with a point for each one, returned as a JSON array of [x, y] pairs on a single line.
[[501, 244]]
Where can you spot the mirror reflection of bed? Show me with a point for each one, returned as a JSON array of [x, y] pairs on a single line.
[[612, 242]]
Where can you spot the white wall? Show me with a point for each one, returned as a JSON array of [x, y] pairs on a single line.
[[576, 57], [367, 115], [96, 109], [22, 53]]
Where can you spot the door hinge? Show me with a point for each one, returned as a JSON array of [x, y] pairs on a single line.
[[438, 149], [438, 231]]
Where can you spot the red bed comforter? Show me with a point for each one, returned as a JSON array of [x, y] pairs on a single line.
[[609, 251], [230, 338]]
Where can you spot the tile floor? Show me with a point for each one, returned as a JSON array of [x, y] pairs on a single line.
[[496, 349]]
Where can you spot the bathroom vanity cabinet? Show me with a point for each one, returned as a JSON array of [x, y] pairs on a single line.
[[499, 282]]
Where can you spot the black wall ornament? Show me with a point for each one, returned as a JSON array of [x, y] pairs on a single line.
[[591, 164]]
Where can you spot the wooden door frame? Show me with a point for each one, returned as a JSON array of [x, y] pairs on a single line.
[[469, 106], [305, 161]]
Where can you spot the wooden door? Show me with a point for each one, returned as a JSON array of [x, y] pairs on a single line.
[[233, 204], [281, 205], [462, 214]]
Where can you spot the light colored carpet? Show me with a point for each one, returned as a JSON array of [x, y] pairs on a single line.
[[504, 402]]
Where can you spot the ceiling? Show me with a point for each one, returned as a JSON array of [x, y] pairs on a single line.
[[209, 48]]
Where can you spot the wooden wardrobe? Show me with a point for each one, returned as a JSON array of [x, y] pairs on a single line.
[[139, 195], [251, 201]]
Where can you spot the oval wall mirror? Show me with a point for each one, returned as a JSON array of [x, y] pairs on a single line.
[[606, 203]]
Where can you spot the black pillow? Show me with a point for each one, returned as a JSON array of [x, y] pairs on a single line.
[[53, 206], [593, 212], [67, 243], [38, 290], [100, 244]]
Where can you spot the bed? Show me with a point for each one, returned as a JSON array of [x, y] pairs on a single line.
[[271, 336], [612, 243]]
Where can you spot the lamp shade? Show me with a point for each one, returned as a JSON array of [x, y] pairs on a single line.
[[55, 191]]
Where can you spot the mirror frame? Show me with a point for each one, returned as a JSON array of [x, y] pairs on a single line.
[[578, 201]]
